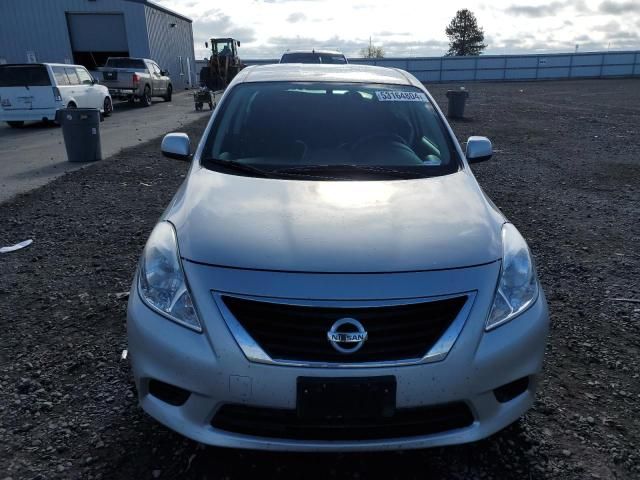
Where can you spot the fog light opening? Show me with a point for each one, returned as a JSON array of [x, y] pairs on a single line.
[[511, 390], [168, 393]]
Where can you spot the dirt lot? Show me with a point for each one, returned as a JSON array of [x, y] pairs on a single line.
[[566, 171]]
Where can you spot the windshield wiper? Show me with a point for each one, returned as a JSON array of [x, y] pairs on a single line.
[[238, 167], [333, 169]]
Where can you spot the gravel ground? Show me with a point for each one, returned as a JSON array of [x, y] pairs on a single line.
[[566, 172]]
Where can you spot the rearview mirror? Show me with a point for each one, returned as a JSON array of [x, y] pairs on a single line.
[[177, 146], [479, 149]]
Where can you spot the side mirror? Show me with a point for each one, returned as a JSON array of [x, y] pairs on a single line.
[[238, 44], [206, 44], [479, 149], [163, 72], [177, 146], [94, 81]]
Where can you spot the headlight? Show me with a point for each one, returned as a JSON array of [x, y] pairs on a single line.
[[162, 284], [518, 285]]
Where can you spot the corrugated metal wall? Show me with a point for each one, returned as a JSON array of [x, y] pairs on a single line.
[[40, 26], [510, 67], [172, 46]]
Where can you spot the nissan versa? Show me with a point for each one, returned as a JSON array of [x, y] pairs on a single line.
[[330, 276]]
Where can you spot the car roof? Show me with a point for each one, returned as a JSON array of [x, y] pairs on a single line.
[[327, 52], [41, 64], [349, 73]]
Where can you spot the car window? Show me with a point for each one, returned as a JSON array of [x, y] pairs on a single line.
[[24, 75], [60, 76], [73, 76], [332, 124], [300, 58], [333, 59], [84, 76], [125, 63], [313, 57]]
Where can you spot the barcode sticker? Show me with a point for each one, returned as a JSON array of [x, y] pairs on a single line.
[[400, 96]]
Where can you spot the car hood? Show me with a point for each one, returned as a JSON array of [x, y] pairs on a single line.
[[335, 226]]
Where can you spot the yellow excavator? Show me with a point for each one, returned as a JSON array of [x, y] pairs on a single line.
[[223, 65]]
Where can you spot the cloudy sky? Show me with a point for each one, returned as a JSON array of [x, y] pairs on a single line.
[[266, 28]]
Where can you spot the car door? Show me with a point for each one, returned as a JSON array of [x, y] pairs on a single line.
[[157, 79], [164, 82], [75, 90], [92, 96]]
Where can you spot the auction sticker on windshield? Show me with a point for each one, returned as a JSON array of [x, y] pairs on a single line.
[[400, 96]]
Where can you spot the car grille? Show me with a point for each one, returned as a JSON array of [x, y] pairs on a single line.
[[299, 333], [286, 424]]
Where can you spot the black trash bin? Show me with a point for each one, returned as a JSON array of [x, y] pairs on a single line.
[[457, 100], [81, 132]]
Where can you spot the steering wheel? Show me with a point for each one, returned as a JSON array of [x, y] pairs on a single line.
[[390, 137]]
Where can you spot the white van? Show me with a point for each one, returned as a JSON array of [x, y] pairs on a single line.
[[37, 91]]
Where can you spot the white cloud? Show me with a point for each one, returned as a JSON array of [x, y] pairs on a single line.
[[296, 17], [410, 27]]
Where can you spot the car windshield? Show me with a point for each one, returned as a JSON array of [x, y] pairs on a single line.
[[24, 75], [329, 131], [329, 58], [125, 63]]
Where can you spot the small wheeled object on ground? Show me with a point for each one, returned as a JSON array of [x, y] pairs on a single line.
[[202, 97]]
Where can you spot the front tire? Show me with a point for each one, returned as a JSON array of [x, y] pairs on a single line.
[[167, 97], [107, 107], [145, 100], [16, 124]]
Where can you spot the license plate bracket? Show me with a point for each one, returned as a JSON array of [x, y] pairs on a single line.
[[346, 398]]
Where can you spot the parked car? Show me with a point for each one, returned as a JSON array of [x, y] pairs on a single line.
[[136, 79], [35, 92], [314, 56], [331, 277]]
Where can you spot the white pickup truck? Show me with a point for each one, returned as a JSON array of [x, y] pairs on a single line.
[[136, 79]]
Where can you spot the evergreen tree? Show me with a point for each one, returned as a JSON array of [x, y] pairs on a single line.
[[465, 37]]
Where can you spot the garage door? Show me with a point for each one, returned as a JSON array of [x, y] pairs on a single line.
[[92, 32]]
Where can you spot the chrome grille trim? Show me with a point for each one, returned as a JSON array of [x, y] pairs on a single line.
[[255, 353]]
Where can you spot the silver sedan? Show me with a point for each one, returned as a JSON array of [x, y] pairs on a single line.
[[331, 277]]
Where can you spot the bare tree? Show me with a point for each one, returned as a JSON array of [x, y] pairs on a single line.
[[465, 36], [371, 51]]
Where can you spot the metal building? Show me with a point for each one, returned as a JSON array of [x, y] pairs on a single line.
[[87, 32]]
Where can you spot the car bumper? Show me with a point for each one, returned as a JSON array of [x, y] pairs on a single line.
[[122, 92], [28, 115], [213, 368]]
